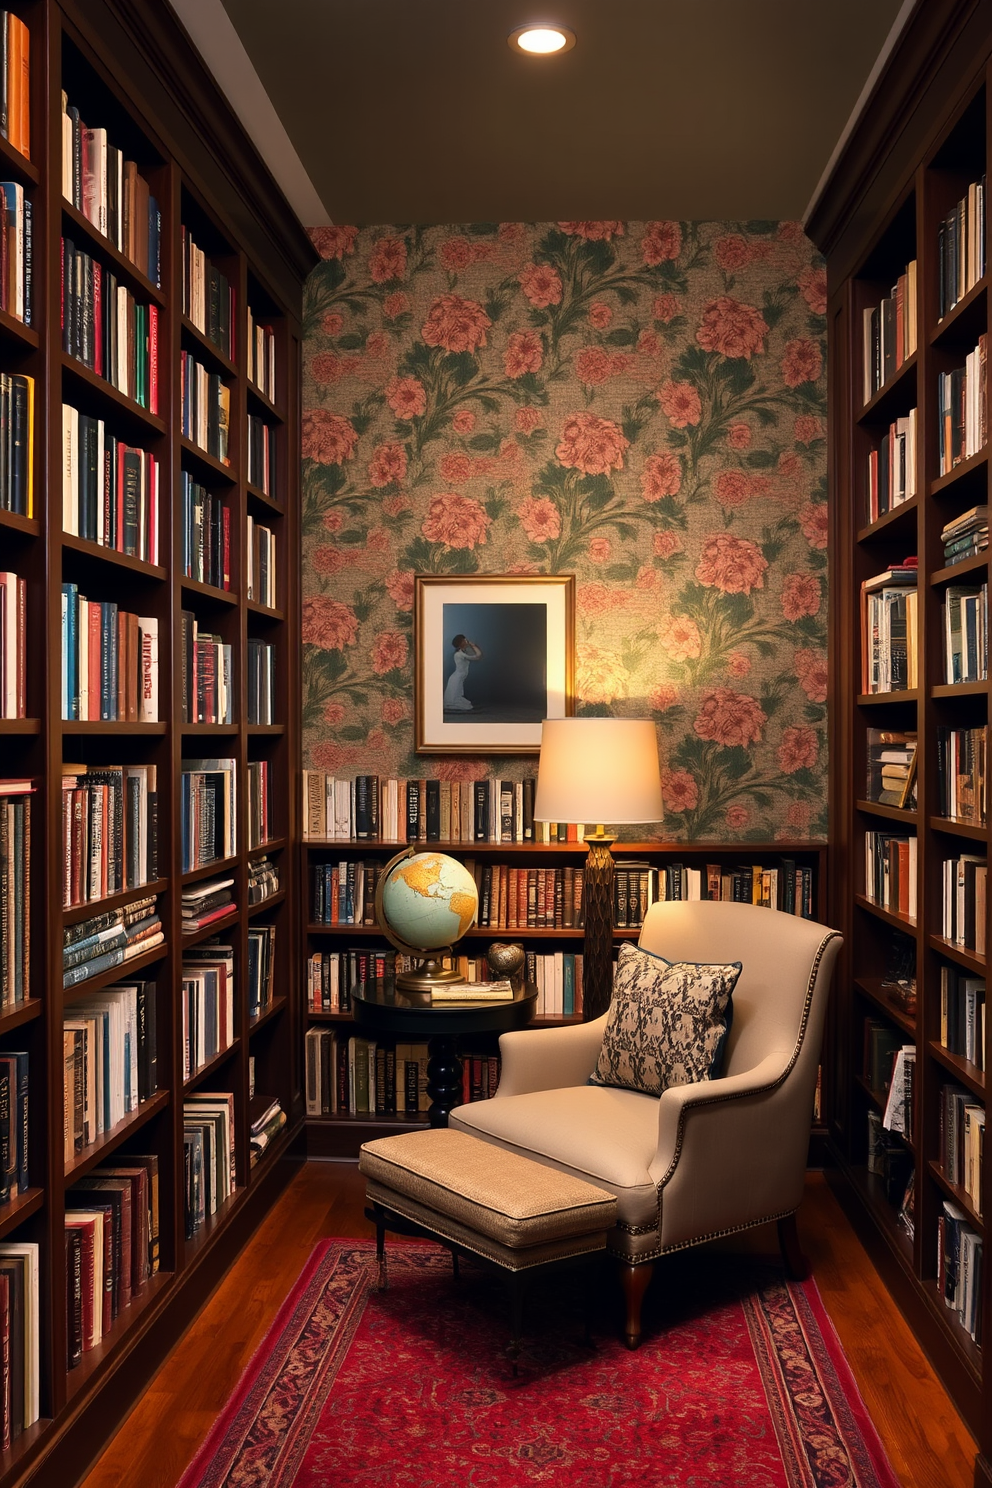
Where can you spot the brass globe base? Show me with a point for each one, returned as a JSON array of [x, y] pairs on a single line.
[[430, 973]]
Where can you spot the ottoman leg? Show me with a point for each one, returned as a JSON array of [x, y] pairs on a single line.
[[517, 1283], [380, 1246], [634, 1280]]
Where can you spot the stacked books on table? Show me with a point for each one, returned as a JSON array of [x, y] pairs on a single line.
[[967, 535], [110, 939], [265, 1128], [462, 992], [210, 899]]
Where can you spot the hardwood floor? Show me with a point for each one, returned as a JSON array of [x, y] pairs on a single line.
[[927, 1443]]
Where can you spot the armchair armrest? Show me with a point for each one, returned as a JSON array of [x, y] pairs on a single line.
[[549, 1058], [676, 1105]]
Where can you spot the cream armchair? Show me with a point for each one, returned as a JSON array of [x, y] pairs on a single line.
[[704, 1160]]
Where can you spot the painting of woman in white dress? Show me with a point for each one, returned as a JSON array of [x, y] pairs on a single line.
[[466, 652]]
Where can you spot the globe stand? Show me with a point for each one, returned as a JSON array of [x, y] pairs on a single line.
[[444, 1077], [428, 971]]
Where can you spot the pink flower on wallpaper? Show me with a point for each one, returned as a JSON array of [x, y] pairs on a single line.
[[814, 524], [328, 623], [798, 817], [332, 323], [813, 288], [463, 421], [680, 403], [738, 665], [456, 521], [800, 595], [388, 260], [327, 560], [596, 232], [407, 397], [456, 253], [791, 232], [662, 241], [511, 232], [790, 466], [393, 505], [377, 344], [332, 521], [732, 253], [591, 444], [333, 713], [394, 710], [524, 353], [395, 305], [399, 587], [542, 285], [594, 366], [811, 670], [389, 651], [798, 750], [540, 519], [732, 488], [665, 543], [336, 757], [455, 324], [648, 344], [739, 436], [599, 549], [661, 476], [328, 438], [333, 242], [375, 741], [679, 790], [509, 452], [663, 697], [455, 468], [388, 465], [376, 540], [666, 307], [730, 719], [732, 328], [595, 599], [803, 361], [737, 816], [648, 578], [680, 637], [734, 565], [599, 675], [326, 368], [527, 419], [455, 769], [807, 427], [600, 314]]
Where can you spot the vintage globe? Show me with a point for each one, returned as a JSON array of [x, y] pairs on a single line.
[[425, 902]]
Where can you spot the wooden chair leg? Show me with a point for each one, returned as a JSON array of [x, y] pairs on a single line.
[[634, 1280], [797, 1263]]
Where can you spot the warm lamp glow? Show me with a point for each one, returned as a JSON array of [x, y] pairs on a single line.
[[598, 770], [542, 41]]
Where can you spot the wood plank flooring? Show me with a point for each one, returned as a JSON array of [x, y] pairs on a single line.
[[927, 1443]]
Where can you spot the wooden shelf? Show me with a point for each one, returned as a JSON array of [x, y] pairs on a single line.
[[114, 401], [111, 555], [76, 912], [208, 591], [276, 507], [75, 225], [962, 1069], [275, 1007], [14, 331], [19, 1208], [263, 404], [960, 472], [97, 1151], [207, 348], [211, 1066], [873, 987], [213, 468], [20, 726], [14, 522]]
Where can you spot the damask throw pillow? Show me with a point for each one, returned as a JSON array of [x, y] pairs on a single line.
[[668, 1022]]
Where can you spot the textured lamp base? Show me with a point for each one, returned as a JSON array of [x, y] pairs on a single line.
[[597, 949]]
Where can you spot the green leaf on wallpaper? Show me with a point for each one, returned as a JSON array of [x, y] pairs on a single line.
[[810, 628], [594, 710], [761, 227], [622, 336], [486, 441], [760, 459], [738, 375], [766, 416], [735, 761], [694, 364], [814, 713], [625, 293], [353, 341], [676, 438], [621, 573], [481, 229], [349, 732], [461, 367], [495, 305]]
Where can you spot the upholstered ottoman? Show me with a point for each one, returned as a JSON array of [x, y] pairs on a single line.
[[501, 1207]]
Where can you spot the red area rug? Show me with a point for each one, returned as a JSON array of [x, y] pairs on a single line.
[[740, 1383]]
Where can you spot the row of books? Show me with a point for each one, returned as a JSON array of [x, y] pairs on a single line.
[[110, 490], [209, 1159], [16, 251], [962, 1015], [961, 1141], [109, 661], [110, 939], [892, 468], [14, 1123], [362, 1077], [369, 808], [889, 631], [260, 678], [109, 830], [205, 409], [959, 1267], [264, 1129], [261, 551], [15, 884], [17, 443], [259, 822], [20, 1361], [966, 535], [206, 534], [961, 248], [787, 885], [961, 773], [111, 1247], [208, 297], [13, 672], [207, 1003], [964, 882], [891, 767], [15, 82], [262, 356], [110, 192], [105, 328], [962, 395], [965, 615], [206, 681], [204, 902], [110, 1061], [890, 872], [261, 969], [889, 333], [208, 811], [263, 879], [262, 456]]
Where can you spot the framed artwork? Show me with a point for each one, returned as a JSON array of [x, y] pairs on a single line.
[[494, 658]]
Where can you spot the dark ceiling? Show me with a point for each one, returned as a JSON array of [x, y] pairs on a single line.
[[417, 110]]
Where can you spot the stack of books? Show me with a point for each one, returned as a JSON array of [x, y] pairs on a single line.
[[206, 409], [966, 641], [110, 939], [207, 1004], [15, 81], [892, 468], [209, 1155], [261, 968], [109, 661], [110, 193], [208, 297], [110, 490], [206, 535], [14, 1083], [964, 882], [110, 1060], [966, 535], [208, 802], [262, 456], [208, 900], [107, 329], [889, 333], [480, 992], [961, 248], [959, 1267], [892, 767], [263, 879], [889, 646], [961, 399], [112, 1247], [265, 1127], [20, 1361], [261, 551], [261, 356], [109, 830], [961, 755], [962, 1015]]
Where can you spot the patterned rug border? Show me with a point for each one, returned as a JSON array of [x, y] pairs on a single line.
[[813, 1399]]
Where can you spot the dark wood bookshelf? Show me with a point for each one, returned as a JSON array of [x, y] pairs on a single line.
[[207, 348], [110, 555], [210, 467]]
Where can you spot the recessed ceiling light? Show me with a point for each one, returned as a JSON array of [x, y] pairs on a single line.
[[542, 40]]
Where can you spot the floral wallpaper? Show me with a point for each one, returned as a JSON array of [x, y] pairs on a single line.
[[640, 404]]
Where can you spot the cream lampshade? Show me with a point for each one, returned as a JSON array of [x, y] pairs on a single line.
[[602, 770]]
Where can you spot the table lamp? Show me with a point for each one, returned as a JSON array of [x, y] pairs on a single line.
[[598, 770]]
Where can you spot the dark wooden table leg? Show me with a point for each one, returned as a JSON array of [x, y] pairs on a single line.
[[444, 1078]]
